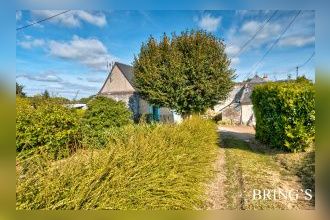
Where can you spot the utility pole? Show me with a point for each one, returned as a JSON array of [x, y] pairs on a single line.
[[297, 72]]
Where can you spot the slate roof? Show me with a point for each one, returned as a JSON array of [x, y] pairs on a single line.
[[248, 88], [257, 79], [246, 96]]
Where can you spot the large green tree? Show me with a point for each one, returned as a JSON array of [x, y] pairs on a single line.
[[188, 73], [19, 90]]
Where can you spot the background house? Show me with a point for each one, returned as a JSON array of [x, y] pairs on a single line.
[[120, 87], [238, 107]]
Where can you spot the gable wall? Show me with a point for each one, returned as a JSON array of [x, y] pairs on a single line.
[[117, 82]]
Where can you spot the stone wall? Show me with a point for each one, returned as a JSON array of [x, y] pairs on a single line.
[[232, 113]]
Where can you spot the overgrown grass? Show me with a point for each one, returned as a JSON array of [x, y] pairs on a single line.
[[247, 170], [301, 164], [250, 166], [143, 167]]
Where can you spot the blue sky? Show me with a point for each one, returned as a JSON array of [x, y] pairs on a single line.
[[68, 55]]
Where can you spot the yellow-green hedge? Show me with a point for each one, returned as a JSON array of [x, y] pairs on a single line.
[[285, 114], [49, 127]]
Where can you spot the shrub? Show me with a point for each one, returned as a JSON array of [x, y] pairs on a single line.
[[285, 114], [49, 127], [143, 167], [103, 113]]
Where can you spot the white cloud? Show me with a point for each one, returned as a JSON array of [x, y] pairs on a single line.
[[72, 18], [301, 33], [234, 61], [251, 27], [232, 50], [90, 52], [296, 41], [209, 23], [45, 77], [18, 15], [95, 79], [98, 20], [29, 42]]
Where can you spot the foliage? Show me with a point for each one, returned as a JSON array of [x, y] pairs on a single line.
[[103, 113], [48, 127], [303, 79], [45, 94], [144, 167], [38, 99], [19, 90], [188, 73], [85, 100], [285, 114]]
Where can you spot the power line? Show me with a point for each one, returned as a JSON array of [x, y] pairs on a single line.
[[274, 43], [309, 59], [299, 66], [42, 20], [257, 32]]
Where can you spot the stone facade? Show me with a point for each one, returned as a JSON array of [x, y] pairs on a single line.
[[232, 113]]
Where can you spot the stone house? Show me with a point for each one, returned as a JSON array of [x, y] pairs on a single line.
[[238, 107], [120, 87]]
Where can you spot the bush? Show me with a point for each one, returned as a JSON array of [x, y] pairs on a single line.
[[48, 127], [285, 114], [103, 113], [143, 167]]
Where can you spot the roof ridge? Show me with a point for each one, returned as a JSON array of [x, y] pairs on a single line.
[[119, 63]]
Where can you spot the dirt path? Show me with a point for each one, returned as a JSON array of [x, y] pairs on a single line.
[[245, 133], [242, 165], [215, 190]]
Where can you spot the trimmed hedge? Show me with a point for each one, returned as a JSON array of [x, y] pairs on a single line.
[[143, 167], [49, 127], [285, 114]]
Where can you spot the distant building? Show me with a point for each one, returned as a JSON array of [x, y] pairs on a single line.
[[77, 106], [120, 87], [238, 107]]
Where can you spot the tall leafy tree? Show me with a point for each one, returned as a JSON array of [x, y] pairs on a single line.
[[45, 94], [19, 90], [188, 73]]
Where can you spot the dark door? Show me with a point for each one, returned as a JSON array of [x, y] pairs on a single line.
[[156, 113]]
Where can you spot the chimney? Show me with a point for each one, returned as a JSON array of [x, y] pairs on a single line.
[[265, 77]]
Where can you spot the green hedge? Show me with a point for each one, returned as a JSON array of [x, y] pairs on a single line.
[[143, 167], [285, 114], [48, 127], [103, 113]]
